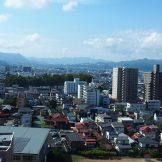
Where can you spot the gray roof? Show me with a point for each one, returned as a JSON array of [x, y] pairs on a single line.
[[104, 125], [148, 140], [73, 136], [117, 124], [27, 140], [138, 121], [124, 146]]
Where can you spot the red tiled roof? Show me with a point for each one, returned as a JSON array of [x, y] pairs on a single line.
[[149, 132], [130, 127], [131, 115], [136, 135], [2, 114], [81, 135], [90, 140], [148, 127], [80, 126], [57, 117], [143, 128]]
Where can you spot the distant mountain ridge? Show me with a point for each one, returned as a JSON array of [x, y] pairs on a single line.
[[13, 58], [16, 58], [68, 60]]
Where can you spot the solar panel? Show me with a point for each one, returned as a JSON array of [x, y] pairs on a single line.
[[20, 143]]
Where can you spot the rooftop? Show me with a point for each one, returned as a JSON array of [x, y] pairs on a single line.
[[117, 124], [27, 140]]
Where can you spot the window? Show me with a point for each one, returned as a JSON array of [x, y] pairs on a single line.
[[17, 157], [28, 158]]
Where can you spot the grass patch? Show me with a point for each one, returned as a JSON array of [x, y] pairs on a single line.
[[77, 158]]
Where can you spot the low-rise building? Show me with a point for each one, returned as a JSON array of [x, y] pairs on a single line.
[[153, 105], [125, 120], [103, 118], [6, 146], [135, 107], [149, 131], [122, 143], [30, 144], [118, 126], [57, 120]]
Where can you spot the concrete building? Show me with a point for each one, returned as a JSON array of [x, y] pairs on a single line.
[[20, 98], [6, 147], [2, 90], [91, 94], [153, 84], [26, 120], [135, 107], [30, 144], [124, 84], [71, 87], [103, 118], [153, 105]]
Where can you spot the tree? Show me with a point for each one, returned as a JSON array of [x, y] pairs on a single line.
[[10, 101], [52, 104]]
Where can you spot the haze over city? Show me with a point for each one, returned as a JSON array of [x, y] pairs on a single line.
[[108, 29]]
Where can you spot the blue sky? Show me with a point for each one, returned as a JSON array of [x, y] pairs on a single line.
[[108, 29]]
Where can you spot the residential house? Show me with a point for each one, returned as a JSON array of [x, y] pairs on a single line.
[[25, 110], [104, 118], [26, 120], [85, 133], [123, 143], [158, 118], [137, 123], [104, 127], [57, 120], [127, 121], [149, 131], [147, 142], [111, 135], [75, 142], [118, 126]]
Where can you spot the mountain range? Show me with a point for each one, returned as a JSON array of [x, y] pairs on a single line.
[[19, 59]]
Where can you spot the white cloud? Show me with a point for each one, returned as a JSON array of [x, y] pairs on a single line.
[[70, 5], [131, 44], [153, 39], [4, 17], [27, 3], [32, 38], [103, 42], [67, 5], [15, 42]]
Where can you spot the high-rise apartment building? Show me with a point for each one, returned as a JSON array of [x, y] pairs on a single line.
[[153, 84], [124, 84]]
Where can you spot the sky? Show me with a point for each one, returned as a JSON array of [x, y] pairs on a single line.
[[113, 30]]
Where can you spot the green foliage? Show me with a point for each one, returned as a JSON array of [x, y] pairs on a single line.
[[154, 153], [10, 101], [77, 158], [58, 155], [100, 152], [52, 104], [45, 80], [94, 153]]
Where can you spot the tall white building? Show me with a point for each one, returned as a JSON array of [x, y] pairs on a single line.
[[91, 94], [71, 87]]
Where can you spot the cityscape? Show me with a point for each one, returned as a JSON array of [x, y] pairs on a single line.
[[80, 81]]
